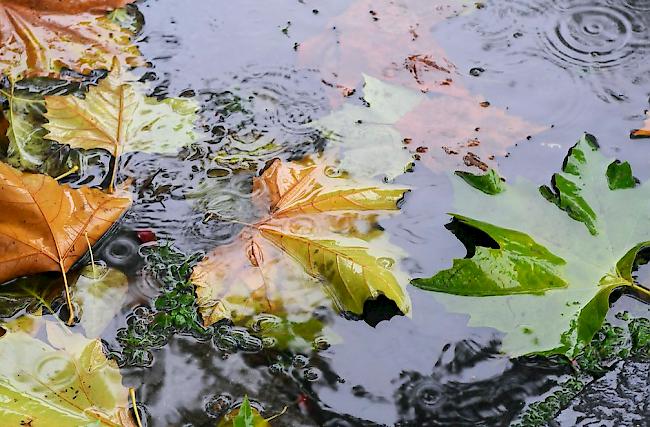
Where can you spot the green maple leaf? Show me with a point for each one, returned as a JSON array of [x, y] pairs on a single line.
[[560, 251]]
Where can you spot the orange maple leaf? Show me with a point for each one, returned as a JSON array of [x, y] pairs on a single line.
[[39, 37], [47, 226]]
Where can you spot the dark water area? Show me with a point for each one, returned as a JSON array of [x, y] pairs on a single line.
[[261, 74]]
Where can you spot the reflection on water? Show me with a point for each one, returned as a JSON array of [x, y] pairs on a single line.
[[567, 65]]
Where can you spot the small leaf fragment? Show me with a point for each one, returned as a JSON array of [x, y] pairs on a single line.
[[489, 183]]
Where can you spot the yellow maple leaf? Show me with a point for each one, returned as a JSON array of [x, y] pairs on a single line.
[[318, 228]]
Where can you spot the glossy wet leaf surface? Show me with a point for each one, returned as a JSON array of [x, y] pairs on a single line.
[[47, 222], [99, 292], [317, 224], [118, 118], [387, 95], [560, 252], [39, 38], [66, 382]]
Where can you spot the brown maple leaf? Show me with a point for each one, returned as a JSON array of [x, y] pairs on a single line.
[[39, 37], [47, 226], [457, 128], [644, 132], [390, 43], [318, 228]]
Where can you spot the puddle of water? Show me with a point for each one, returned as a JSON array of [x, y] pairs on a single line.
[[569, 66]]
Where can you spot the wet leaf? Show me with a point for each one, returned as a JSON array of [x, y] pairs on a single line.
[[100, 293], [117, 117], [318, 228], [244, 416], [29, 293], [560, 252], [358, 130], [27, 149], [39, 37], [399, 124], [386, 39], [458, 130], [644, 132], [70, 382], [44, 223]]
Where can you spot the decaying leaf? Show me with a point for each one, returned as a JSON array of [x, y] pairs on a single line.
[[462, 130], [440, 130], [644, 132], [560, 252], [44, 224], [32, 294], [117, 117], [387, 39], [26, 149], [39, 37], [358, 130], [318, 228], [99, 292], [70, 382]]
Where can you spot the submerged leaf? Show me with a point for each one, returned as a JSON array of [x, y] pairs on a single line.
[[394, 41], [27, 148], [399, 124], [29, 293], [558, 256], [318, 229], [40, 37], [99, 292], [117, 117], [45, 223], [68, 383], [358, 130]]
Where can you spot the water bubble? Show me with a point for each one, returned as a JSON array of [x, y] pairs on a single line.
[[476, 71], [311, 374], [122, 252], [219, 405], [226, 343], [299, 361], [427, 394], [321, 344], [269, 342], [332, 172], [265, 322], [276, 369], [302, 226], [385, 262]]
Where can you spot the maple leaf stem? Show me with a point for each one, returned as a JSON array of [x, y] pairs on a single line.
[[67, 293], [111, 186], [74, 169], [642, 290], [135, 406], [279, 414], [92, 258]]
